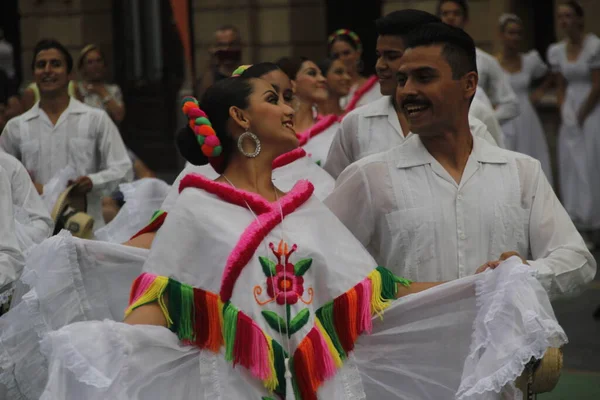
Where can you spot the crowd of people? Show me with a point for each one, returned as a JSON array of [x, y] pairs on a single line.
[[332, 235]]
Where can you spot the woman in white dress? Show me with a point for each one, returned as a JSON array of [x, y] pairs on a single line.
[[346, 46], [576, 64], [524, 133], [266, 293]]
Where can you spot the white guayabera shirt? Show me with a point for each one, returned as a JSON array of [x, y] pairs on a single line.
[[415, 219], [83, 137], [32, 221], [372, 129], [11, 258]]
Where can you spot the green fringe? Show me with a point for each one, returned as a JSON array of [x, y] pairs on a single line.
[[279, 355], [297, 393], [403, 281], [389, 284], [230, 317], [325, 315], [181, 309]]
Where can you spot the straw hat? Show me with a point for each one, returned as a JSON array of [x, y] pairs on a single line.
[[69, 213], [541, 376]]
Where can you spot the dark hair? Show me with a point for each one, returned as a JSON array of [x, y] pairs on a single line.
[[47, 44], [463, 4], [343, 38], [325, 64], [400, 23], [218, 98], [260, 69], [458, 47], [291, 65], [234, 29], [506, 19], [576, 7]]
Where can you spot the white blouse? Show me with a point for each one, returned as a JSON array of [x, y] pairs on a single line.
[[83, 137], [416, 220], [32, 220]]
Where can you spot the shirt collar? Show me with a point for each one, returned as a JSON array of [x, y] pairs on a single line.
[[380, 108], [412, 153], [74, 107]]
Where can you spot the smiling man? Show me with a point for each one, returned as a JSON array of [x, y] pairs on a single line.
[[446, 204], [59, 131], [380, 125]]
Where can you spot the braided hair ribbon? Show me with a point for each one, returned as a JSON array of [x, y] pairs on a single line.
[[205, 134], [346, 32], [240, 70]]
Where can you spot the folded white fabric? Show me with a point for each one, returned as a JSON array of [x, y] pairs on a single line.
[[466, 339]]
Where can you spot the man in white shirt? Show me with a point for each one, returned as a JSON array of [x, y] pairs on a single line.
[[492, 78], [446, 204], [380, 125], [32, 220], [59, 131]]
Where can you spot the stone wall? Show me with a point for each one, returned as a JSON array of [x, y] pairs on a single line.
[[270, 29], [74, 23]]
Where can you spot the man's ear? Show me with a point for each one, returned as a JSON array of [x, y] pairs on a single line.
[[470, 81]]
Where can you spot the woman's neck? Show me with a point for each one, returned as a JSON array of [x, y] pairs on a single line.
[[304, 118], [251, 174], [330, 106]]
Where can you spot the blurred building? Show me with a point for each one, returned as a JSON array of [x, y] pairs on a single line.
[[144, 50]]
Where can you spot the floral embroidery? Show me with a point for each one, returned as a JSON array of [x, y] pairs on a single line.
[[285, 286]]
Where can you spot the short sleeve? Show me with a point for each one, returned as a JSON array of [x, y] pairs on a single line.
[[553, 56], [594, 59], [538, 67]]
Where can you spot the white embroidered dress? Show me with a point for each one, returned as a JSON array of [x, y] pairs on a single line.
[[467, 339]]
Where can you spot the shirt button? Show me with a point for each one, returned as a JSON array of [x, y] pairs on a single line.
[[459, 197], [462, 236]]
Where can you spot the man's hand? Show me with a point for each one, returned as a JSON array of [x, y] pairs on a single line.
[[83, 185], [504, 256]]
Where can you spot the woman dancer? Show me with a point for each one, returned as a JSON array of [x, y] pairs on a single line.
[[273, 285], [338, 85], [524, 133], [346, 46], [576, 64]]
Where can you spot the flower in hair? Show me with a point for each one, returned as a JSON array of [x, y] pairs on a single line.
[[346, 32], [240, 70], [199, 123]]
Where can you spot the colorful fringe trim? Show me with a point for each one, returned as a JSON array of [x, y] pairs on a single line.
[[201, 319], [157, 220]]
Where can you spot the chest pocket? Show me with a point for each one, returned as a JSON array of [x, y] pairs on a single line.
[[81, 154], [30, 155], [412, 237], [511, 230]]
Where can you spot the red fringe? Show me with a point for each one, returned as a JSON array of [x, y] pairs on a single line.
[[242, 353], [201, 324], [341, 313], [153, 226], [303, 364], [288, 158]]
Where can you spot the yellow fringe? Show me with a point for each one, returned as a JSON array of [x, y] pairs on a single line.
[[378, 303], [271, 382], [154, 293], [334, 353]]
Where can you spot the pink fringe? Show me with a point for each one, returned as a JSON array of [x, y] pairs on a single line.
[[288, 158], [260, 354], [365, 320], [140, 285]]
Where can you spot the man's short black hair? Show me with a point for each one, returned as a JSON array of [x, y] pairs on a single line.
[[47, 44], [458, 47], [234, 29], [463, 4], [400, 23]]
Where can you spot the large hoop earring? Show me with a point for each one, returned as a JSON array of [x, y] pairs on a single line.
[[240, 144]]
